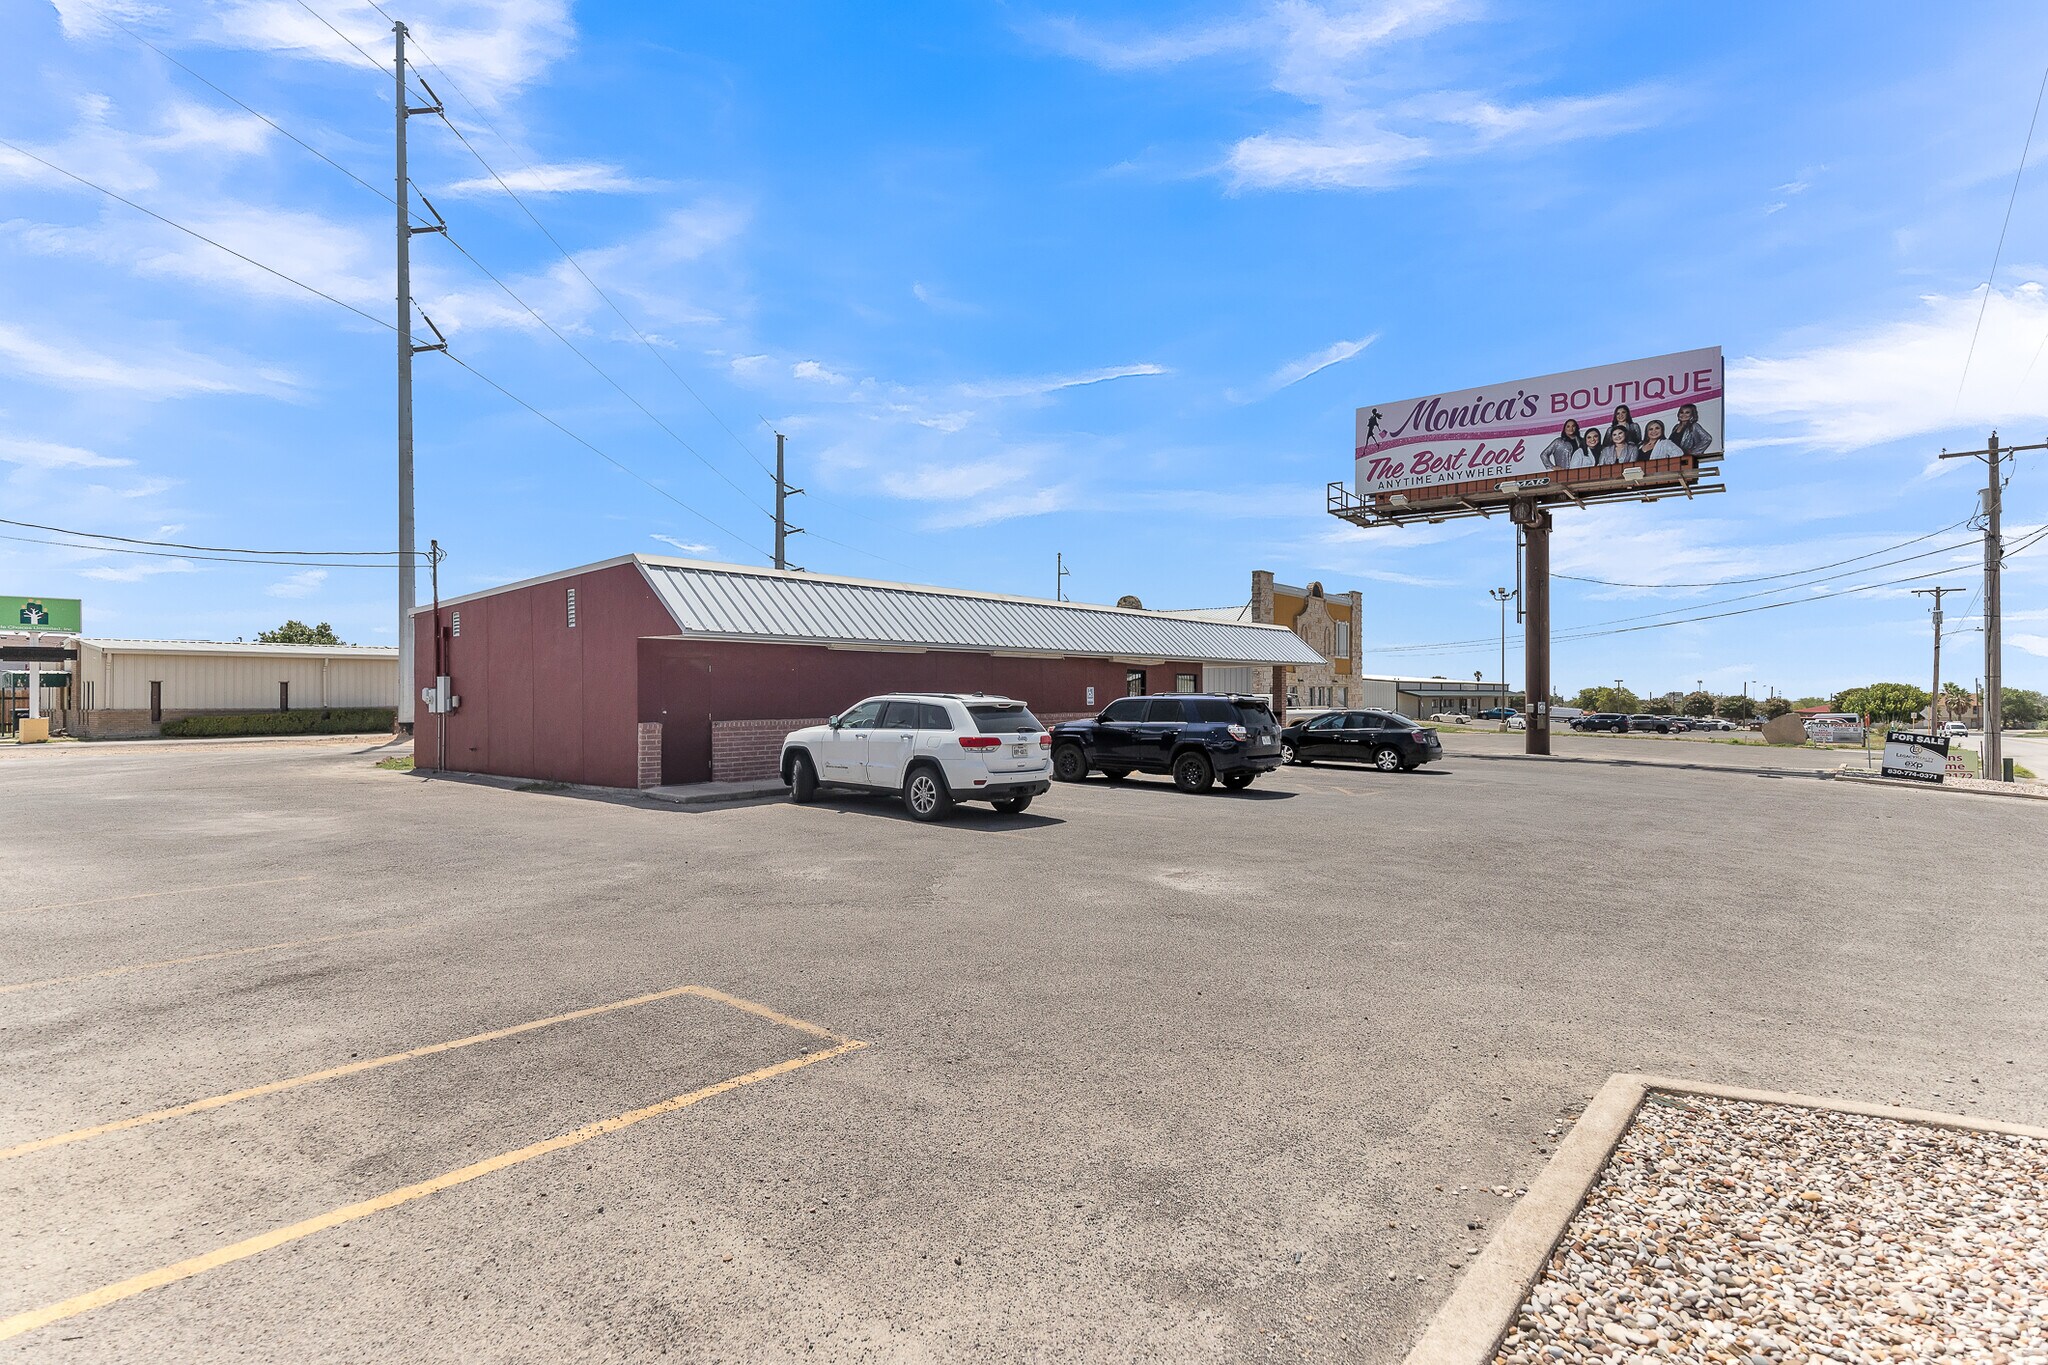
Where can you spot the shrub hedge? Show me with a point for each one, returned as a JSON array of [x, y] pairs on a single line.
[[354, 720]]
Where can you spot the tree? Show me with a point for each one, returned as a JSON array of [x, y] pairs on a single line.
[[1607, 699], [297, 632], [1776, 707], [1805, 702], [1737, 707], [1883, 702], [1699, 703], [2021, 707]]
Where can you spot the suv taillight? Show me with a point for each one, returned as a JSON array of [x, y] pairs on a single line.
[[980, 742], [1239, 733], [1045, 741]]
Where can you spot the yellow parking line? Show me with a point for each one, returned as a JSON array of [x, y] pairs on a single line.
[[151, 895], [349, 1213], [13, 986], [391, 1059]]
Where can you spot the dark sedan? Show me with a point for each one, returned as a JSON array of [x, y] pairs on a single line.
[[1390, 743]]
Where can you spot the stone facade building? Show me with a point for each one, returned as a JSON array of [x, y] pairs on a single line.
[[1328, 623]]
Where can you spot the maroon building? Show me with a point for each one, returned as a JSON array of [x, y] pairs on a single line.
[[644, 670]]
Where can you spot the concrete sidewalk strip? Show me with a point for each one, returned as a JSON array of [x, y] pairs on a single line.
[[717, 793], [1471, 1325], [1966, 786]]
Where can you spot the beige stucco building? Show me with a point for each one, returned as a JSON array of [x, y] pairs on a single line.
[[1328, 623]]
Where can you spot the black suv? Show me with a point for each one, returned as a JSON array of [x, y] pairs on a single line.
[[1388, 742], [1197, 738], [1602, 720]]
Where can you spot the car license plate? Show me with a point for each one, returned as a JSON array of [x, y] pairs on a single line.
[[1016, 751]]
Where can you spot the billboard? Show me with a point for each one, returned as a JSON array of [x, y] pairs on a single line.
[[1584, 428], [61, 614]]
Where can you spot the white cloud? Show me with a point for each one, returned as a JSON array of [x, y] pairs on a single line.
[[1334, 58], [811, 372], [304, 583], [136, 572], [1336, 353], [563, 177], [48, 455], [1899, 379], [2032, 644], [169, 373], [977, 492], [1032, 388], [688, 547]]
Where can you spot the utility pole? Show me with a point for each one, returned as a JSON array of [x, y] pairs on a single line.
[[1504, 596], [1059, 582], [1993, 749], [407, 589], [1534, 522], [783, 492], [1934, 697]]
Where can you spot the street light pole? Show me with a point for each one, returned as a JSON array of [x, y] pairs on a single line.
[[1504, 596]]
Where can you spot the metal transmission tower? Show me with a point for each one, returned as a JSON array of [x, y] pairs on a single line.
[[1934, 697], [407, 589], [783, 492], [1994, 560]]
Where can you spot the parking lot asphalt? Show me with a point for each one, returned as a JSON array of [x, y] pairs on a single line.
[[1133, 1075]]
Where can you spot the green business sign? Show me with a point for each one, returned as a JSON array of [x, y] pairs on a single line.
[[40, 613]]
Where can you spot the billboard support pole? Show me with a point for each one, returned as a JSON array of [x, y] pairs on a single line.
[[1534, 521]]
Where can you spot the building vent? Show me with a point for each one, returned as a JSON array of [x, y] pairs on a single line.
[[456, 627], [572, 608]]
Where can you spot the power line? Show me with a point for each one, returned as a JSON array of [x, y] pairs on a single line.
[[601, 454], [2011, 199], [194, 232], [574, 264], [1448, 645], [1769, 577], [183, 554], [179, 545]]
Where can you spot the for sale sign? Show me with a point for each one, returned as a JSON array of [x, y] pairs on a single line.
[[1917, 758]]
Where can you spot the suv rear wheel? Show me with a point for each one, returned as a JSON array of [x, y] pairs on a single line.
[[1192, 772], [925, 795], [1069, 764], [803, 780]]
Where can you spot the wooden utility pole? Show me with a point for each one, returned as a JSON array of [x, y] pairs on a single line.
[[1993, 749], [1535, 521], [1934, 697]]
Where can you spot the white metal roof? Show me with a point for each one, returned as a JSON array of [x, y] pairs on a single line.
[[730, 601], [114, 646]]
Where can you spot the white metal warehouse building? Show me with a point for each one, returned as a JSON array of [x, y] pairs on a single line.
[[129, 687]]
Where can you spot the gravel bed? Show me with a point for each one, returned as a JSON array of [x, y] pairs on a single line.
[[1726, 1231]]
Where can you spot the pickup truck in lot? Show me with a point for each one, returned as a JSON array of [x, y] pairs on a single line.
[[1196, 738]]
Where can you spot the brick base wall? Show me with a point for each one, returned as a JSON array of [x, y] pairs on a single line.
[[749, 750], [650, 754]]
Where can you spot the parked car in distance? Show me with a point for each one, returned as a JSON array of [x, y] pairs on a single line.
[[1450, 718], [1518, 723], [1955, 729], [1679, 724], [1649, 724], [931, 748], [1612, 721], [1197, 738], [1389, 742], [1498, 713]]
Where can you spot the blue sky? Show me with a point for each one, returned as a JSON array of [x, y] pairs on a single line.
[[1019, 280]]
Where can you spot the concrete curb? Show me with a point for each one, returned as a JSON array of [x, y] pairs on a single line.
[[1468, 1329], [2015, 789], [1824, 774], [718, 793]]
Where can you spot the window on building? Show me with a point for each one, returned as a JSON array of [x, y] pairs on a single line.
[[284, 696], [1183, 682], [572, 608], [1341, 649], [1344, 696], [1293, 696], [1134, 682], [456, 625]]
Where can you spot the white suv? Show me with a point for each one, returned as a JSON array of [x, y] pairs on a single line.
[[934, 748]]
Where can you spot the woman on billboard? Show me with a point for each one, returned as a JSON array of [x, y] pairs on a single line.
[[1624, 423], [1655, 445], [1563, 447], [1589, 449], [1621, 447], [1688, 435]]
